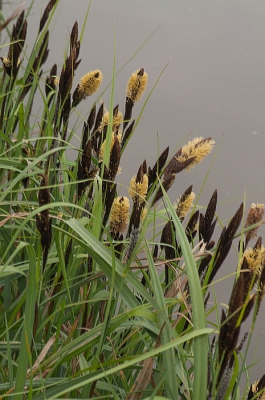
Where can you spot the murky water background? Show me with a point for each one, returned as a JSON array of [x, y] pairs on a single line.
[[213, 85]]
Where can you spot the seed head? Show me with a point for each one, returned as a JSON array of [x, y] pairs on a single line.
[[197, 149], [119, 215], [138, 190], [136, 85], [87, 86]]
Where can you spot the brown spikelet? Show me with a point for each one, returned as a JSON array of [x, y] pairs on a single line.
[[127, 134], [83, 172], [96, 134], [174, 166], [158, 167], [229, 331], [115, 156], [166, 183], [225, 241], [46, 14], [11, 62], [43, 219], [108, 203], [87, 86], [255, 215], [192, 225]]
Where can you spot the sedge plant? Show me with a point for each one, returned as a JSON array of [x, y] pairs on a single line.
[[91, 307]]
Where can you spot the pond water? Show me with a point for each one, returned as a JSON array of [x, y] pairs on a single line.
[[213, 85]]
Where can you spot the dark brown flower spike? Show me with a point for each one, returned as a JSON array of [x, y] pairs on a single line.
[[127, 134], [96, 134], [46, 14], [43, 219], [83, 172], [157, 168], [87, 128], [225, 241], [191, 227], [115, 156], [12, 61], [206, 226], [166, 183], [229, 331]]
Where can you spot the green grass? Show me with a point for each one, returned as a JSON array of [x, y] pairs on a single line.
[[106, 296]]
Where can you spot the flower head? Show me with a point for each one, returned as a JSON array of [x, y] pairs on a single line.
[[197, 149], [87, 86], [138, 189], [119, 215], [136, 85], [184, 204]]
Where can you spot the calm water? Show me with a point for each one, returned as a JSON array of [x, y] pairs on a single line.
[[213, 85]]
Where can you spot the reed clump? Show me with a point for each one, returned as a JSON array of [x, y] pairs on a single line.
[[91, 306]]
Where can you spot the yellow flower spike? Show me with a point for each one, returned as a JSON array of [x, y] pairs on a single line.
[[255, 258], [184, 204], [87, 86], [197, 148], [119, 215], [138, 190], [136, 85]]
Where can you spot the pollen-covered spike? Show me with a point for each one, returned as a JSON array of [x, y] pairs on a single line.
[[197, 149], [185, 203], [119, 215], [138, 186], [87, 86], [136, 85]]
